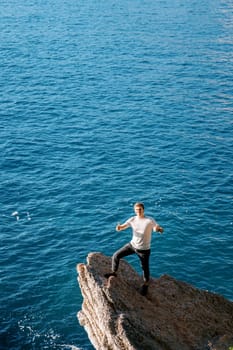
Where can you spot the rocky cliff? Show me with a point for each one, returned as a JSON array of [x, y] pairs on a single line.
[[173, 316]]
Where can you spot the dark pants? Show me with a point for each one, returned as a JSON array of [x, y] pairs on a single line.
[[127, 250]]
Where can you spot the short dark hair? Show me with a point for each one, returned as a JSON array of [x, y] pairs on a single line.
[[139, 204]]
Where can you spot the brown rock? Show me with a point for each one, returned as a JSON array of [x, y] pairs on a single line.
[[173, 316]]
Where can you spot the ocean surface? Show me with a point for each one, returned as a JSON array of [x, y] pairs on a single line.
[[102, 104]]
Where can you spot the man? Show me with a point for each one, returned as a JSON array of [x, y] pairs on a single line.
[[142, 227]]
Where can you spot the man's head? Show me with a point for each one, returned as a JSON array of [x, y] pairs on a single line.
[[139, 209]]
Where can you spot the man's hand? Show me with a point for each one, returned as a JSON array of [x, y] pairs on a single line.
[[158, 229], [118, 227]]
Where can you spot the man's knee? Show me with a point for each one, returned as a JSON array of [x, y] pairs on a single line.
[[116, 256]]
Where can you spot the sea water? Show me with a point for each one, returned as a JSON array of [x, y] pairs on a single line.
[[102, 104]]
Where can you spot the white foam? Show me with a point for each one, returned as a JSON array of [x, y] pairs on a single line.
[[22, 215]]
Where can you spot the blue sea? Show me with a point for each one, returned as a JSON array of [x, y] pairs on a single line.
[[102, 104]]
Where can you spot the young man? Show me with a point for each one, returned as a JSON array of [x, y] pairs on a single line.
[[142, 227]]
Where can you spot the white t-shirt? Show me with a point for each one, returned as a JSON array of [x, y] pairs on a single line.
[[142, 230]]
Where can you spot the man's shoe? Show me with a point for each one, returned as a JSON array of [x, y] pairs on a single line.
[[144, 289]]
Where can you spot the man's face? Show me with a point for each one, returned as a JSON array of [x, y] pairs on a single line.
[[139, 211]]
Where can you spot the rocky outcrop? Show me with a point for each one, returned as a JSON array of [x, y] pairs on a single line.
[[173, 316]]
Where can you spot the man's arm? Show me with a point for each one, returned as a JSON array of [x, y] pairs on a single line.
[[158, 228], [120, 227]]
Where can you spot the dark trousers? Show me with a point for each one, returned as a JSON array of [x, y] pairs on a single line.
[[127, 250]]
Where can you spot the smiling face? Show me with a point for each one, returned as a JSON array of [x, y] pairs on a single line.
[[139, 210]]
